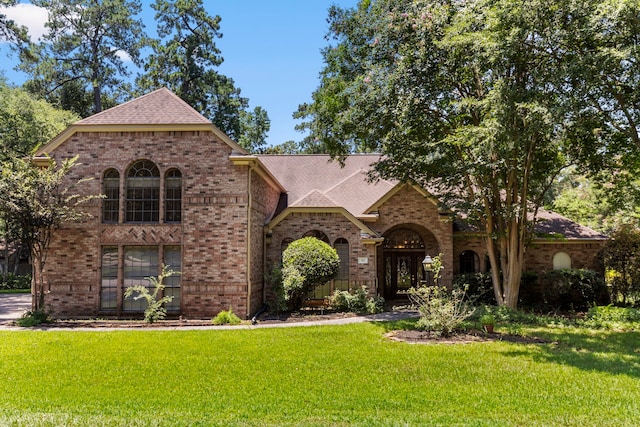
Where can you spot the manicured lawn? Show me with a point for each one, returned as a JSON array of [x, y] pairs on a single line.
[[329, 375]]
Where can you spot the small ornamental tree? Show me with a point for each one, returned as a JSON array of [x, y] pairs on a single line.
[[621, 257], [37, 201], [306, 263]]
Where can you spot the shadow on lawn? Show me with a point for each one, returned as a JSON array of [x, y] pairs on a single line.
[[611, 352]]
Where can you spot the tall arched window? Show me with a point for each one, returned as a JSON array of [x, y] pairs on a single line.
[[342, 278], [111, 190], [173, 196], [143, 192]]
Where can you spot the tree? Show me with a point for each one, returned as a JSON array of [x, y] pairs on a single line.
[[621, 257], [26, 122], [254, 127], [37, 201], [305, 263], [185, 58], [9, 31], [468, 99], [85, 49]]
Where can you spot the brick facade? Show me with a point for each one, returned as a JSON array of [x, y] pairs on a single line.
[[234, 218]]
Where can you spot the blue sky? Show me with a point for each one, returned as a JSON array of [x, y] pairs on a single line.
[[271, 49]]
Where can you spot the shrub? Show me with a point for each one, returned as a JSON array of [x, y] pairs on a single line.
[[226, 318], [571, 289], [33, 318], [621, 256], [274, 281], [155, 307], [441, 310], [357, 302], [478, 286], [14, 281], [306, 262]]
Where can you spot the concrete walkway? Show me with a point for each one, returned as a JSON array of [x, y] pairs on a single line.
[[13, 306]]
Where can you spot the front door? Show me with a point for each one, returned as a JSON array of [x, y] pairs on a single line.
[[403, 270]]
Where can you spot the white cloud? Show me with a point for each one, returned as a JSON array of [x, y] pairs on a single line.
[[32, 17]]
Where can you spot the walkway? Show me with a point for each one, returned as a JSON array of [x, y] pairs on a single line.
[[12, 306]]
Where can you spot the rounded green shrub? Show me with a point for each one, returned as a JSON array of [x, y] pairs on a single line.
[[306, 262]]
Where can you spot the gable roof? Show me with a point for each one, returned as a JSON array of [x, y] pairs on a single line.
[[158, 107], [309, 178], [314, 181], [160, 110]]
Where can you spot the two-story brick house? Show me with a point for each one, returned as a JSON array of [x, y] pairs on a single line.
[[178, 191]]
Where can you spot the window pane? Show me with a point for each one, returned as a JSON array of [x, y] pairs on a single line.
[[341, 281], [173, 196], [109, 282], [173, 259], [143, 192], [140, 262], [111, 202]]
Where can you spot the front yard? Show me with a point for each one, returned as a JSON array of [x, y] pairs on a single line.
[[326, 375]]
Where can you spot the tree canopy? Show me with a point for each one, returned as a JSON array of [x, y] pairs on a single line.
[[27, 122], [185, 59], [84, 52], [473, 100]]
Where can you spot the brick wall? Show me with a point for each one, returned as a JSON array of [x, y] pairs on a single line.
[[213, 232], [409, 208]]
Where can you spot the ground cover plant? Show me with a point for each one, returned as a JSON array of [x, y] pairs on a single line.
[[320, 375]]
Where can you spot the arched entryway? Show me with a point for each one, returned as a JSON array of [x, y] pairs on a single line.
[[403, 251]]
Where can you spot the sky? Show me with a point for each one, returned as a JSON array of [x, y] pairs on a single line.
[[271, 49]]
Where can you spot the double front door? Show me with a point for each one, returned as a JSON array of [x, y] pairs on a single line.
[[402, 270]]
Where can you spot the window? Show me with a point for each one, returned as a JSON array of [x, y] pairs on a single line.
[[173, 259], [140, 262], [469, 262], [403, 238], [561, 261], [143, 192], [109, 276], [342, 278], [173, 196], [111, 190]]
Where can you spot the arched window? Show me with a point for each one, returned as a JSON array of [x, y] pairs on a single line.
[[318, 235], [561, 261], [111, 190], [173, 196], [403, 238], [469, 262], [143, 192], [342, 278]]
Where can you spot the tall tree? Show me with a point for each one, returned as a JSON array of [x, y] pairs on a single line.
[[254, 126], [26, 122], [10, 31], [85, 49], [467, 99], [185, 59], [38, 201]]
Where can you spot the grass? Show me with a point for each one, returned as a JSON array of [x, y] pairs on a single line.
[[328, 375], [15, 291]]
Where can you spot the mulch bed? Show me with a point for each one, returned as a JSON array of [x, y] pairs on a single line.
[[266, 318], [466, 337]]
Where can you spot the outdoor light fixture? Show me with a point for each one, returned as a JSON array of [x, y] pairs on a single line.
[[427, 262]]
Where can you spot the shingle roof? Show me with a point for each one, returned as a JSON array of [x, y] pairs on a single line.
[[316, 179], [158, 107], [552, 223]]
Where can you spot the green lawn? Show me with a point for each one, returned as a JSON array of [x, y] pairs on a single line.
[[329, 375]]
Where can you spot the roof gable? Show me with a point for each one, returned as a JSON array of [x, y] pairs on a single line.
[[160, 110], [158, 107]]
